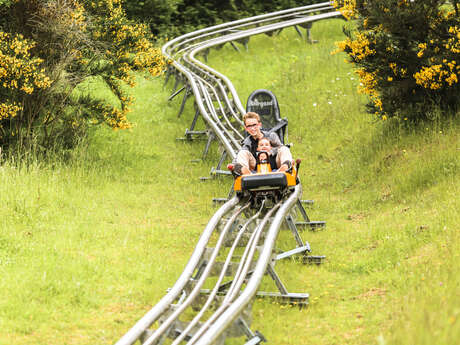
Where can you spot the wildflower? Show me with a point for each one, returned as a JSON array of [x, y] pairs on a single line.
[[393, 67]]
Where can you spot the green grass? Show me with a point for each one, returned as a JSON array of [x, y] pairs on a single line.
[[89, 245]]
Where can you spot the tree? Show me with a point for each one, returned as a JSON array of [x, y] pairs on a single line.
[[407, 55], [47, 49], [157, 14], [175, 17]]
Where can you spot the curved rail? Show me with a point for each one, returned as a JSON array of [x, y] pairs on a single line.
[[220, 107], [199, 77], [145, 322], [232, 310]]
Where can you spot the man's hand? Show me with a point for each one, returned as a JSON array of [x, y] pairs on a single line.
[[283, 167]]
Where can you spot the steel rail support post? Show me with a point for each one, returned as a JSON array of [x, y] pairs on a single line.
[[174, 94], [279, 284], [313, 224], [298, 31], [295, 232], [208, 145], [195, 118], [186, 95], [235, 47], [253, 338], [169, 71], [302, 211], [190, 132], [176, 83]]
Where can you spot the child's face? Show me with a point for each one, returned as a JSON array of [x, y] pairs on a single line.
[[264, 145]]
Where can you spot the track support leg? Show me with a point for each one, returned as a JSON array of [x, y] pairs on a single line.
[[307, 222], [254, 338], [186, 95]]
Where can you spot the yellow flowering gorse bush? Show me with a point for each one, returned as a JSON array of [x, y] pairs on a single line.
[[358, 48], [406, 53], [72, 40], [441, 72], [130, 50], [346, 7], [19, 73]]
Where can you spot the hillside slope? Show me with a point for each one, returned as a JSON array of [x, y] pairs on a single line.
[[87, 245]]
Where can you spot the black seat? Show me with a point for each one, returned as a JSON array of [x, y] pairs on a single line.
[[264, 103]]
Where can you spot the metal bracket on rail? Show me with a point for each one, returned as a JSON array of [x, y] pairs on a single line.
[[169, 71], [253, 338], [224, 200], [191, 133], [243, 41], [216, 171], [301, 248], [175, 93], [239, 328], [307, 26], [257, 339], [188, 92], [314, 225], [273, 32], [205, 53], [179, 79], [284, 297]]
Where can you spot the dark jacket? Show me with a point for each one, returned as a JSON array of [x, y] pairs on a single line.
[[251, 144]]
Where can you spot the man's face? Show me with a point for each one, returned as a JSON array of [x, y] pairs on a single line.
[[253, 127]]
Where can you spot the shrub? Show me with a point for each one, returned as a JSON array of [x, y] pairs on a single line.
[[47, 49], [407, 55]]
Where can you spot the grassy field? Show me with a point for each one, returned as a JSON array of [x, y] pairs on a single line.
[[88, 245]]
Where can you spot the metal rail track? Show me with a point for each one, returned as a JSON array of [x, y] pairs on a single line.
[[223, 308]]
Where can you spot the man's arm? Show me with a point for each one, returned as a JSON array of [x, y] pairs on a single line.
[[274, 140], [246, 144]]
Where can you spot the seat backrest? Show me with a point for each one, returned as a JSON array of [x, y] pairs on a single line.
[[264, 103]]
